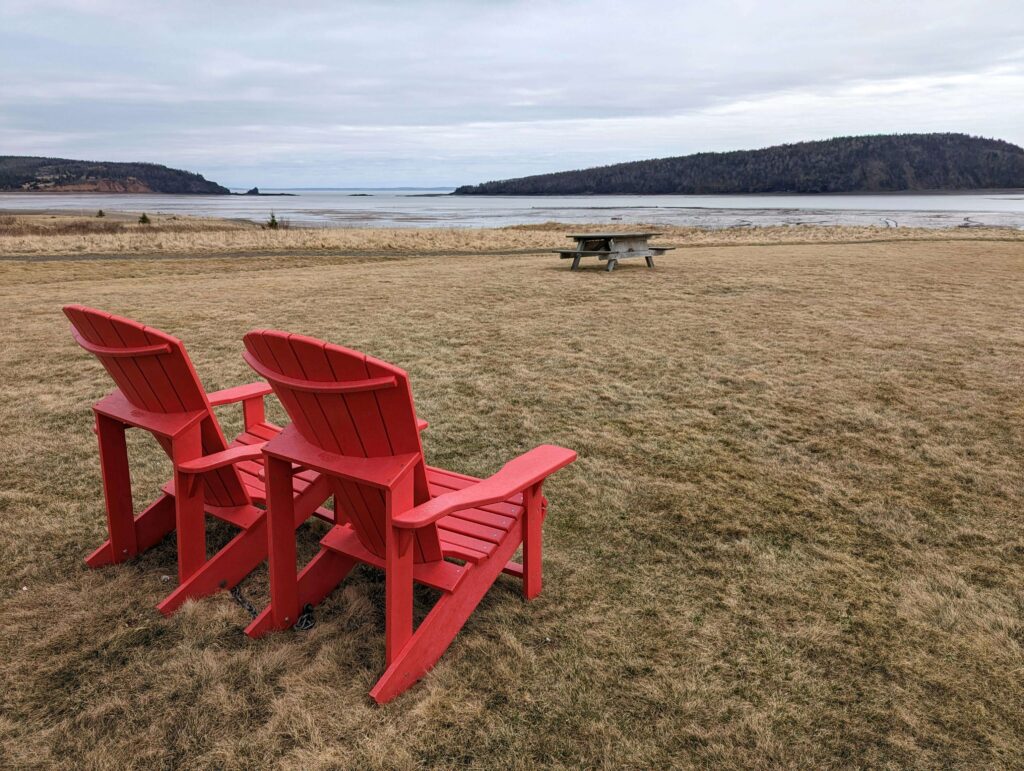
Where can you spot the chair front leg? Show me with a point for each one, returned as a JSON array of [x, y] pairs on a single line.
[[189, 510], [533, 503], [398, 571]]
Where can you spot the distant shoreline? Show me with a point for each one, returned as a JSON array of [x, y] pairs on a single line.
[[1002, 207], [414, 193], [775, 194]]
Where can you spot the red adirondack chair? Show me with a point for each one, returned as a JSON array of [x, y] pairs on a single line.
[[353, 421], [159, 391]]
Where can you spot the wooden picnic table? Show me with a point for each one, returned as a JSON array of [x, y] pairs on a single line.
[[612, 247]]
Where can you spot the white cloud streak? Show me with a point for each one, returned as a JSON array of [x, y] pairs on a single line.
[[450, 92]]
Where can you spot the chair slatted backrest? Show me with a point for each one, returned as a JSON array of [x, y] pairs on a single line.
[[153, 371], [348, 403]]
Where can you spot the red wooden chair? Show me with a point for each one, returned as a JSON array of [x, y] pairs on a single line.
[[353, 421], [159, 391]]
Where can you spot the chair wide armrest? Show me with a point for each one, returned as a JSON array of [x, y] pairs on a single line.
[[221, 459], [516, 475], [239, 393]]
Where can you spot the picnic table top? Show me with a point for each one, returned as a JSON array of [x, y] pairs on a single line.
[[589, 236]]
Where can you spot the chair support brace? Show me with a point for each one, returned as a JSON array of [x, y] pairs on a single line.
[[251, 396]]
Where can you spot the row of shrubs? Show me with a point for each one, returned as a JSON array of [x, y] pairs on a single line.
[[12, 225], [15, 226], [271, 224]]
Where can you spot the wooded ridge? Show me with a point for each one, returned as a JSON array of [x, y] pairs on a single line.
[[34, 174], [876, 164]]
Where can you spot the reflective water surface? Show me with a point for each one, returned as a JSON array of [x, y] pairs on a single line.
[[411, 208]]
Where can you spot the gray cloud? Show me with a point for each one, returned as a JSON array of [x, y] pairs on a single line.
[[386, 93]]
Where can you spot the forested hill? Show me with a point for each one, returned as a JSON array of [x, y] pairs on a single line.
[[27, 173], [876, 164]]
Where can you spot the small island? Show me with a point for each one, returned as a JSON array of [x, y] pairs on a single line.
[[256, 191], [883, 163]]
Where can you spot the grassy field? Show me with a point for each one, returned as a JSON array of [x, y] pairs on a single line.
[[793, 537]]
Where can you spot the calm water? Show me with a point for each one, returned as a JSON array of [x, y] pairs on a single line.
[[403, 208]]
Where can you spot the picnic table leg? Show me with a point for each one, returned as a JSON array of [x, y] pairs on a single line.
[[117, 488], [284, 580], [611, 265], [575, 263], [650, 260]]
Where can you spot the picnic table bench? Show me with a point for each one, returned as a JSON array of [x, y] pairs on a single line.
[[612, 247]]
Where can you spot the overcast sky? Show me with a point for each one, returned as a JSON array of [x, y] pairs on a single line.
[[442, 93]]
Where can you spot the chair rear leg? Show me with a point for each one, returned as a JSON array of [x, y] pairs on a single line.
[[240, 556], [235, 561], [117, 488], [150, 528], [318, 579]]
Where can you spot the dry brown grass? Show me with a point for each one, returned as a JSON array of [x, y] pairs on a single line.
[[41, 232], [40, 236], [793, 537]]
